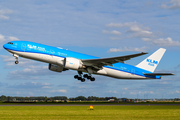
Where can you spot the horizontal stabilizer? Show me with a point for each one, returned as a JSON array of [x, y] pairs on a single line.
[[158, 74]]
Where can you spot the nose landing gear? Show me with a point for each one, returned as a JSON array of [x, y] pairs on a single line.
[[16, 62], [16, 57]]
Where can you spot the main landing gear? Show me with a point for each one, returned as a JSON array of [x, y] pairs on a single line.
[[79, 77]]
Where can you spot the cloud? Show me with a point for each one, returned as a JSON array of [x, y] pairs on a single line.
[[46, 87], [162, 42], [5, 38], [140, 33], [59, 91], [127, 24], [4, 17], [160, 85], [124, 88], [137, 30], [3, 12], [31, 85], [30, 69], [30, 72], [166, 42], [2, 38], [177, 91], [127, 49], [112, 32], [11, 38], [23, 62], [173, 4], [134, 28], [6, 11], [115, 38], [112, 91], [33, 72], [146, 39], [141, 92]]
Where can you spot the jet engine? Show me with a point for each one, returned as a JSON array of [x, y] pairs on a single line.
[[72, 63], [56, 68]]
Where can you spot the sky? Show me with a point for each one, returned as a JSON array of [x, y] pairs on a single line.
[[100, 28]]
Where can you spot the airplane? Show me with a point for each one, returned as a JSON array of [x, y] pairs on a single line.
[[60, 59]]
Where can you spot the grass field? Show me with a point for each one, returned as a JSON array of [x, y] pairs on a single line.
[[81, 112]]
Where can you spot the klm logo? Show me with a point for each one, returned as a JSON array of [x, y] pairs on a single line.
[[152, 62]]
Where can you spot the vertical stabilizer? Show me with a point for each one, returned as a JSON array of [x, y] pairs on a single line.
[[151, 62]]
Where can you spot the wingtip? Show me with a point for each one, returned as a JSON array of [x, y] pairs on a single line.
[[144, 52]]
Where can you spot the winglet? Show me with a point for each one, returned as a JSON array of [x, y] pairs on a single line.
[[151, 62]]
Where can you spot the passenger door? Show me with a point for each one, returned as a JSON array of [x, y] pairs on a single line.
[[23, 47]]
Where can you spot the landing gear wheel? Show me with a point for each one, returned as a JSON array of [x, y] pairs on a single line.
[[16, 62], [88, 77], [92, 79], [79, 78], [82, 80], [76, 76], [85, 75]]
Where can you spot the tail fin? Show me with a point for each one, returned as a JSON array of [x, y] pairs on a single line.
[[151, 62]]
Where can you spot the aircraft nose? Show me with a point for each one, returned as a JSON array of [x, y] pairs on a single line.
[[5, 46]]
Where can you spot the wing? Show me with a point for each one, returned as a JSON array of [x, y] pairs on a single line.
[[99, 63]]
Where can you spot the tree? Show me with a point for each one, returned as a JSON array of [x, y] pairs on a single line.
[[3, 98], [82, 98]]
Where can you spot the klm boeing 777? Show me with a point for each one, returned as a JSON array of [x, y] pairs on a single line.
[[61, 60]]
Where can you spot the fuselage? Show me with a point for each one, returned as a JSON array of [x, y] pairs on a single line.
[[55, 55]]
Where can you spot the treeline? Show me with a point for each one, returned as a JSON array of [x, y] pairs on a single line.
[[55, 98], [4, 98], [92, 98]]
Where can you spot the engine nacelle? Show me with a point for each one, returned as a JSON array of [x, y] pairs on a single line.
[[72, 63], [56, 68]]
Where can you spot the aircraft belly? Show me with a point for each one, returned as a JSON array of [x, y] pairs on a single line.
[[39, 57], [116, 73], [102, 72], [121, 74]]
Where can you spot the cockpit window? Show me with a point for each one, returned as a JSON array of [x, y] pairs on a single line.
[[10, 43]]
